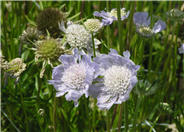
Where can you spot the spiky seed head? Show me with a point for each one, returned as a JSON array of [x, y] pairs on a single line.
[[93, 25], [48, 49], [15, 67], [48, 20], [30, 35]]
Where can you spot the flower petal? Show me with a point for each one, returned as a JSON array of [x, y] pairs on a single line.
[[141, 18], [159, 26]]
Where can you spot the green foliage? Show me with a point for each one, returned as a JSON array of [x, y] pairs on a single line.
[[30, 104]]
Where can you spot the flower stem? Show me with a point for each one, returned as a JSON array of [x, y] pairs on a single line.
[[126, 116], [120, 118], [150, 56], [94, 52], [119, 26], [135, 115], [108, 28]]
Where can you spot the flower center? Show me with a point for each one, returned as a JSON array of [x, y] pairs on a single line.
[[77, 36], [114, 13], [74, 76], [145, 30], [117, 79]]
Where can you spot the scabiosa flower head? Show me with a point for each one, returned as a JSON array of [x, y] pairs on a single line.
[[142, 22], [77, 36], [93, 25], [181, 49], [30, 35], [118, 78], [15, 67], [48, 51], [175, 14], [109, 17], [49, 19], [73, 76]]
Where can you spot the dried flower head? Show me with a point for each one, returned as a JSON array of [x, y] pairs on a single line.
[[142, 22], [30, 35], [3, 62], [181, 49], [175, 14], [74, 76], [93, 25], [48, 20], [15, 67], [109, 17], [118, 78]]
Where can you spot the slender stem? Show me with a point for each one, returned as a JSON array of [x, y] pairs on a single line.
[[135, 115], [26, 121], [150, 56], [94, 52], [126, 116], [108, 28], [108, 121], [120, 118], [119, 26], [54, 113]]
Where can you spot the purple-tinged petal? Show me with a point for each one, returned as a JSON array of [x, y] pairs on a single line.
[[126, 54], [181, 49], [67, 59], [159, 26], [106, 102], [141, 18], [113, 52]]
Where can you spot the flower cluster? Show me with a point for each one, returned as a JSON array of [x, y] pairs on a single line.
[[115, 76], [109, 17], [142, 22]]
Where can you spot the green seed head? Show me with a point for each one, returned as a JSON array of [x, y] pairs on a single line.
[[48, 49], [48, 20]]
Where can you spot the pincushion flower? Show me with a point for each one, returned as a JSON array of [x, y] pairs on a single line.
[[118, 78], [74, 76], [48, 51], [109, 17], [77, 36], [93, 25], [142, 22], [181, 49]]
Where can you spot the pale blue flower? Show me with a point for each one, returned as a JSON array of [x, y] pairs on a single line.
[[109, 17], [142, 22], [118, 77], [181, 49], [74, 76]]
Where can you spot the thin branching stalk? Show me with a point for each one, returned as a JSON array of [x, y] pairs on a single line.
[[94, 52]]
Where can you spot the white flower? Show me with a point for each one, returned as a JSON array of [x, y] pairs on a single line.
[[76, 35], [93, 25], [118, 78], [74, 76]]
